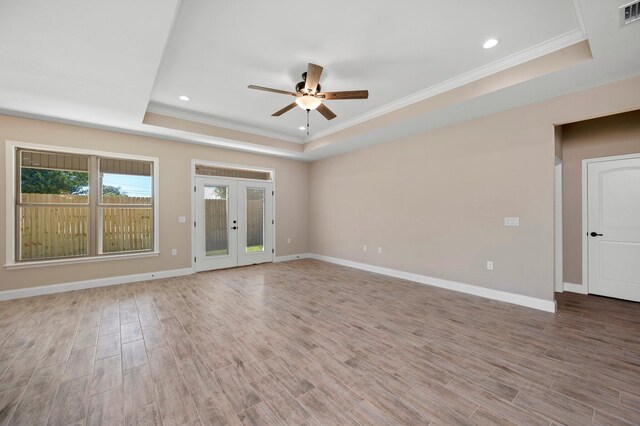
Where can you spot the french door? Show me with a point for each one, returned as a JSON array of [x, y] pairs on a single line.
[[613, 229], [234, 223]]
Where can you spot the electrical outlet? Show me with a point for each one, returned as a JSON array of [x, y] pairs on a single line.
[[364, 247], [182, 219], [288, 240], [490, 265], [379, 250], [174, 252]]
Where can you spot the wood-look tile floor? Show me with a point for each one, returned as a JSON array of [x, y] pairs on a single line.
[[307, 343]]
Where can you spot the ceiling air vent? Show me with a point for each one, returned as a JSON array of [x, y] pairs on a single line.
[[629, 13]]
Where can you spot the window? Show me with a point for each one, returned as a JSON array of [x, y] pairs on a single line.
[[126, 216], [73, 205]]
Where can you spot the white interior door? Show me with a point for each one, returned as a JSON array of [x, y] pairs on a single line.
[[613, 201], [234, 223]]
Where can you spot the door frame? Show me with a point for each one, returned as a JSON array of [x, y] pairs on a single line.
[[195, 162], [585, 211], [559, 235]]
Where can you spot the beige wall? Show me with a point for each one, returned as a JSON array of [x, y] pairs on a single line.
[[436, 202], [175, 198], [602, 137]]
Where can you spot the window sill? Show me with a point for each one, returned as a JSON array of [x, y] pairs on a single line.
[[76, 260]]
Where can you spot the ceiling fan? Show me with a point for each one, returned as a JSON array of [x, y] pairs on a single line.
[[309, 95]]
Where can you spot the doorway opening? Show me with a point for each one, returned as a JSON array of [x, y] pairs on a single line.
[[233, 218], [598, 206]]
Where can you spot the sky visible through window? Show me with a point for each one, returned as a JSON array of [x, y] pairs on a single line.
[[133, 186]]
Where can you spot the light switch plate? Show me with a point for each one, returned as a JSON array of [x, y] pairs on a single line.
[[511, 221], [490, 265]]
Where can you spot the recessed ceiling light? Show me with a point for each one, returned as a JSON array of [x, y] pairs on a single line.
[[492, 42], [301, 128], [184, 98]]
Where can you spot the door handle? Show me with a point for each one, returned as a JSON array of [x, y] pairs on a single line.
[[234, 227], [595, 234]]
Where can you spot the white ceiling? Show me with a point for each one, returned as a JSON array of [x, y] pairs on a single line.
[[218, 48], [104, 64], [90, 61], [616, 56]]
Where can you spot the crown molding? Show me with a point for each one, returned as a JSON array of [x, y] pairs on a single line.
[[579, 17], [183, 114], [539, 50]]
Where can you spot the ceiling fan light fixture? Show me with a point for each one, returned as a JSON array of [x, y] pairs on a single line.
[[309, 96], [308, 103]]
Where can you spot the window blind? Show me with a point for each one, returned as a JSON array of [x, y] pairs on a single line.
[[56, 161], [125, 167], [203, 170]]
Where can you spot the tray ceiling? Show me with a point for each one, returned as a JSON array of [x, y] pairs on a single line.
[[123, 65], [217, 48]]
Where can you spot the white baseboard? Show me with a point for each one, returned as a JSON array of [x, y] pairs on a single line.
[[576, 288], [503, 296], [99, 282], [292, 257]]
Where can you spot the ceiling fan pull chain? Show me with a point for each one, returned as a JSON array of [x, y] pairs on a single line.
[[308, 121]]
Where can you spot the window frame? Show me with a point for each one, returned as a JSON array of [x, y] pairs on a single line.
[[95, 251]]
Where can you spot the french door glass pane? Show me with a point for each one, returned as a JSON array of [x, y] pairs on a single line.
[[126, 229], [255, 220], [216, 228], [49, 232]]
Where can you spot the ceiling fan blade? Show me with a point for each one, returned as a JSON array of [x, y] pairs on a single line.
[[326, 112], [268, 89], [313, 77], [285, 109], [350, 94]]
